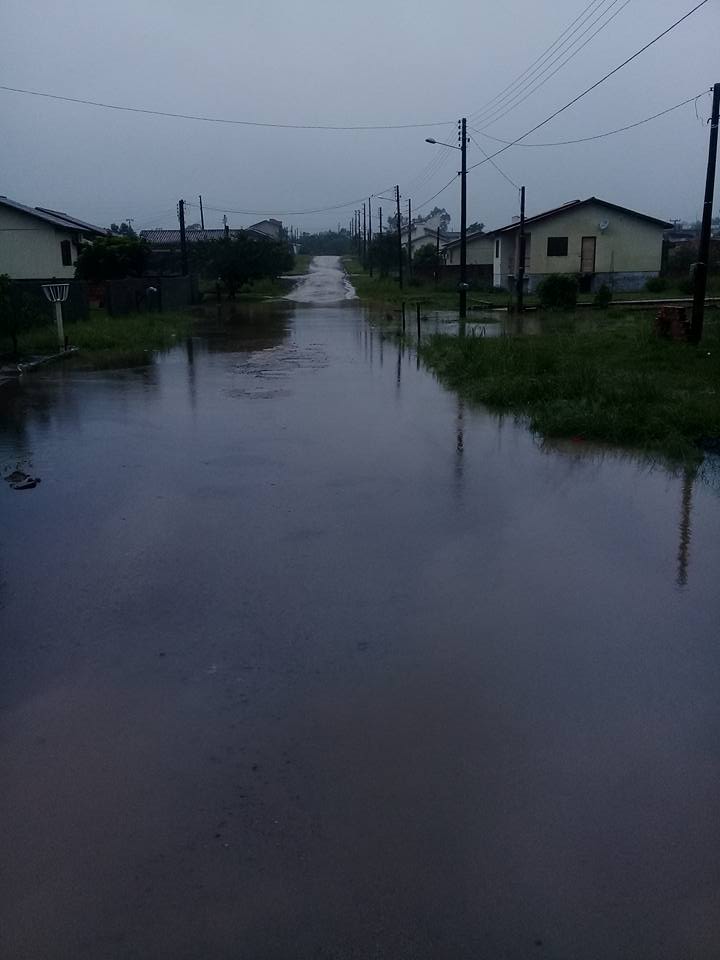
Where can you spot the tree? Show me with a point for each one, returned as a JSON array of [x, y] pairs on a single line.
[[476, 227], [436, 212], [124, 229], [18, 311], [384, 251], [112, 258], [240, 260], [425, 259]]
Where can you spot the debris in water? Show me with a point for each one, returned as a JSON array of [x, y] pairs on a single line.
[[19, 480]]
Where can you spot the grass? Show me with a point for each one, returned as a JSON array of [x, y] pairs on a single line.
[[302, 265], [444, 296], [106, 342], [608, 382]]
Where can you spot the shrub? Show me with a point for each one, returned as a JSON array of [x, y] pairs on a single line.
[[559, 291], [603, 297], [656, 284]]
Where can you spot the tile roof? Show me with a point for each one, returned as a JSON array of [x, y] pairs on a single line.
[[159, 238]]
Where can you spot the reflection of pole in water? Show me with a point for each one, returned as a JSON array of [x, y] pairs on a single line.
[[460, 441], [192, 387], [685, 526], [382, 340], [399, 365]]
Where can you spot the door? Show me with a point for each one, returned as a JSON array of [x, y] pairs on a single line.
[[587, 255]]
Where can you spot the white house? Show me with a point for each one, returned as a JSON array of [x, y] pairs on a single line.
[[480, 248], [600, 242], [40, 244]]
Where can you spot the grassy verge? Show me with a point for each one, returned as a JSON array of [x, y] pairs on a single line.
[[106, 342], [609, 383], [302, 265]]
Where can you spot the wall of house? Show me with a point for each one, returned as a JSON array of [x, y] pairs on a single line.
[[30, 248], [479, 251], [627, 253]]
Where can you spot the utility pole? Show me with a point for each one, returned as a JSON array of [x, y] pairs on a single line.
[[462, 134], [399, 237], [183, 239], [521, 254], [364, 235], [701, 268], [202, 216], [437, 255], [409, 238], [370, 235]]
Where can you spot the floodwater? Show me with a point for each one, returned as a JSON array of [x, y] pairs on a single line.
[[302, 657]]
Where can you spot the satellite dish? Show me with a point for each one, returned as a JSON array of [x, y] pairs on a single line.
[[603, 225]]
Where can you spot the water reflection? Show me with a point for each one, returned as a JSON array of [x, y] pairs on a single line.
[[689, 477]]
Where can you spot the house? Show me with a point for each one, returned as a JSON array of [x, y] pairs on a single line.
[[37, 243], [271, 228], [601, 242], [480, 248], [167, 239]]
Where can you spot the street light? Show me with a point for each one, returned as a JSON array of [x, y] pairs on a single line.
[[462, 136]]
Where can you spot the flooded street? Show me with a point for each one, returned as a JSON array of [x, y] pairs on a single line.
[[303, 657]]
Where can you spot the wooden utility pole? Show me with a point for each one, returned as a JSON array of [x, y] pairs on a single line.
[[183, 239], [701, 268], [521, 254], [437, 255], [409, 238], [462, 133], [364, 235], [370, 263], [399, 237], [202, 217]]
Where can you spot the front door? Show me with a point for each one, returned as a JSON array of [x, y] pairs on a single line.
[[587, 255]]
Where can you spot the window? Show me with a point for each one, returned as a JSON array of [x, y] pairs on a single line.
[[557, 246], [66, 253], [497, 248]]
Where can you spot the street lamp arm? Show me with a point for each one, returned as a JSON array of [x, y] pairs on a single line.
[[440, 143]]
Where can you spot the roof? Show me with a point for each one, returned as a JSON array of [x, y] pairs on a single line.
[[575, 205], [54, 217], [159, 238], [476, 235]]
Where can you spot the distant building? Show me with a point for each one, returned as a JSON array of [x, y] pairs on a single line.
[[480, 250], [600, 242], [37, 243]]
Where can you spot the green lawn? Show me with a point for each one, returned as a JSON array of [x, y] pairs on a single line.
[[608, 380]]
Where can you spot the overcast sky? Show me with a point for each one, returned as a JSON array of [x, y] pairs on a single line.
[[334, 62]]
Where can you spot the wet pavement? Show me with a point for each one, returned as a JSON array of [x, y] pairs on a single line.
[[302, 657]]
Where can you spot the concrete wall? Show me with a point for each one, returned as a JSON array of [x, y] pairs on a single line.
[[479, 251], [627, 253], [30, 248]]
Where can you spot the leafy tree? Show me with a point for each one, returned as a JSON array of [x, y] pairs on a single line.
[[18, 311], [240, 260], [476, 227], [425, 258], [384, 250], [124, 229], [112, 258], [441, 212], [328, 242]]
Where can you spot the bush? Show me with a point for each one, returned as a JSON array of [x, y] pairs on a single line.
[[112, 258], [656, 284], [18, 312], [559, 291], [686, 286], [603, 297]]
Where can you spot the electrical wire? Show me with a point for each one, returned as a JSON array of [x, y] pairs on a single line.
[[547, 62], [597, 136], [241, 123], [522, 76], [593, 86], [570, 103], [498, 115], [498, 168]]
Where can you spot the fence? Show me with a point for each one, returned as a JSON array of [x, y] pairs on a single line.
[[75, 308], [149, 294]]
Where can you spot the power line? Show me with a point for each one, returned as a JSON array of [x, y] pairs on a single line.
[[548, 61], [499, 169], [570, 103], [593, 86], [498, 115], [241, 123], [542, 56], [597, 136]]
